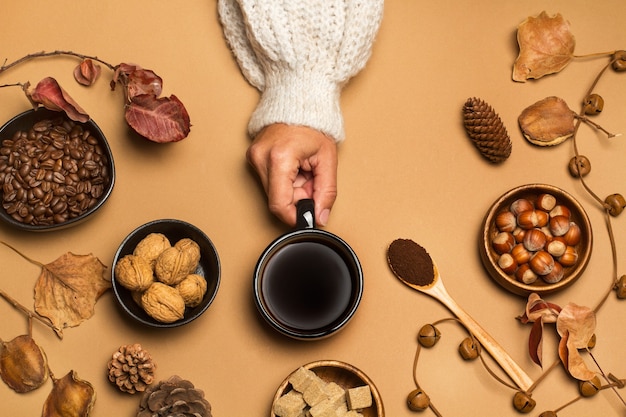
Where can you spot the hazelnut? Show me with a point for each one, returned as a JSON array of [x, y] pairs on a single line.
[[518, 234], [556, 247], [520, 254], [507, 263], [134, 273], [520, 205], [192, 289], [555, 275], [573, 235], [559, 225], [534, 240], [560, 210], [532, 218], [506, 221], [503, 242], [525, 274], [163, 303], [541, 263], [545, 202], [569, 257]]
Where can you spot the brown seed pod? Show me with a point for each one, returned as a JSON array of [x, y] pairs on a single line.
[[469, 349], [417, 400], [579, 166], [428, 335], [523, 402], [593, 104], [23, 364], [620, 287], [591, 387], [486, 130], [548, 414], [619, 61], [616, 203]]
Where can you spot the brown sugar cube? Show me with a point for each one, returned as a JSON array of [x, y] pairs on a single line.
[[301, 379], [323, 408], [359, 397], [290, 404], [315, 392]]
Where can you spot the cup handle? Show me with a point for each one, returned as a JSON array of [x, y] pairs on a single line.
[[305, 214]]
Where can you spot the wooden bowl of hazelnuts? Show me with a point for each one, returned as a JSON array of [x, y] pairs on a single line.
[[536, 238]]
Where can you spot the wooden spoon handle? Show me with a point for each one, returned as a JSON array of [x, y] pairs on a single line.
[[512, 369]]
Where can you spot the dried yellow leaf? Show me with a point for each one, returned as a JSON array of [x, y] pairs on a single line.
[[23, 364], [70, 397]]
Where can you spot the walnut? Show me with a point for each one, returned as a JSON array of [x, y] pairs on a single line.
[[173, 265], [131, 368], [192, 249], [192, 289], [163, 303], [134, 273], [151, 246]]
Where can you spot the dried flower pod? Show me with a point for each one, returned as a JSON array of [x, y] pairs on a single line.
[[174, 397], [616, 204], [428, 335], [418, 400], [469, 349], [131, 368], [619, 61], [486, 130], [192, 289], [523, 402], [548, 122], [593, 104], [23, 364], [151, 246], [163, 303], [591, 387], [579, 166], [70, 396], [134, 273]]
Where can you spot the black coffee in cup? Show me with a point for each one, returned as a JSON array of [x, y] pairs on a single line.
[[307, 285]]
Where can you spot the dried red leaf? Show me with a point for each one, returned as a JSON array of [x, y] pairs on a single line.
[[87, 72], [546, 46], [539, 309], [158, 119], [138, 81], [49, 93], [535, 344]]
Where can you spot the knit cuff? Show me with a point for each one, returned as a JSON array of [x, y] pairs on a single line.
[[299, 98]]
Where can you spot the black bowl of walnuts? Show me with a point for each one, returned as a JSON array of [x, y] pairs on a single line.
[[54, 172], [165, 273]]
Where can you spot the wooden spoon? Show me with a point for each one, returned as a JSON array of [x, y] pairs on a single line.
[[415, 268]]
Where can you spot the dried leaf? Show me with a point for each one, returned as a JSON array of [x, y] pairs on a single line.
[[87, 72], [68, 288], [535, 345], [538, 309], [571, 359], [158, 119], [23, 364], [49, 93], [548, 122], [546, 46], [579, 322], [70, 397], [138, 81]]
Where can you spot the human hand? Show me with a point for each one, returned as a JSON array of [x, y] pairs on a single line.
[[294, 163]]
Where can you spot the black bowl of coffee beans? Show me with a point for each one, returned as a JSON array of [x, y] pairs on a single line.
[[54, 172]]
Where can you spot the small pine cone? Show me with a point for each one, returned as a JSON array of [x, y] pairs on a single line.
[[485, 129], [174, 397], [131, 369]]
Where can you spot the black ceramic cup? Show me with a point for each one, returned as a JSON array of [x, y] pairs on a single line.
[[308, 283]]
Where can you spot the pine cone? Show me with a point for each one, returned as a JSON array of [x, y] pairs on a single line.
[[174, 397], [131, 368], [485, 129]]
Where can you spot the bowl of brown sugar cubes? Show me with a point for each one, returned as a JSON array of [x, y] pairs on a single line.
[[327, 388], [54, 172], [165, 273], [536, 238]]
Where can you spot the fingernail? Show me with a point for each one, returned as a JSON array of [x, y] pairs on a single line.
[[324, 217]]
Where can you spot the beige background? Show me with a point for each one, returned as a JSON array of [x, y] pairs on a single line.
[[407, 169]]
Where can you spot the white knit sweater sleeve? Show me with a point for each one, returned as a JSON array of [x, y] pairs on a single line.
[[299, 54]]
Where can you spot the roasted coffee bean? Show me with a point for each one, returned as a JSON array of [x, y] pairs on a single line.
[[52, 173]]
